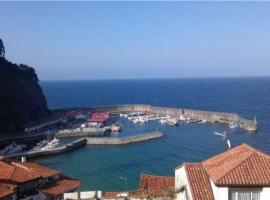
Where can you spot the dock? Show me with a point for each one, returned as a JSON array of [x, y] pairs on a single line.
[[62, 149], [125, 140]]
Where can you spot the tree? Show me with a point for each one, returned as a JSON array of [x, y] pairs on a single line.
[[2, 49]]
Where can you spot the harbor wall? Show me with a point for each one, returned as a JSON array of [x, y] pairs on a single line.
[[218, 117], [126, 140], [67, 147]]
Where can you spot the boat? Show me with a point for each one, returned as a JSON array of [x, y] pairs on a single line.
[[51, 144], [202, 121], [116, 128]]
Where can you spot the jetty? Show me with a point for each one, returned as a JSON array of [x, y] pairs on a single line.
[[125, 140], [62, 149]]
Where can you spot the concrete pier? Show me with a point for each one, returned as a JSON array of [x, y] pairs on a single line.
[[126, 140]]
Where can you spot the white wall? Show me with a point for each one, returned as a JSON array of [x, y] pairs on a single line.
[[220, 193], [182, 181], [265, 194]]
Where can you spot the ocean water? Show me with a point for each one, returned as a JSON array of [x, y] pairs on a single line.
[[99, 167]]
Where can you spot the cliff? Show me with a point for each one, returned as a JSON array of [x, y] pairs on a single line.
[[21, 97]]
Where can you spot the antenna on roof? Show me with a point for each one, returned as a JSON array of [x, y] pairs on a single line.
[[224, 137]]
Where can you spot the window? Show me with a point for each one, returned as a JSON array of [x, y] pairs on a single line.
[[244, 195]]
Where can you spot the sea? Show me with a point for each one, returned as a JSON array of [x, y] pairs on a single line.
[[100, 167]]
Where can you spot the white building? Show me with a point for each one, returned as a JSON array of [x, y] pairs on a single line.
[[241, 173]]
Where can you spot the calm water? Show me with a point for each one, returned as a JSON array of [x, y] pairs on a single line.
[[99, 167]]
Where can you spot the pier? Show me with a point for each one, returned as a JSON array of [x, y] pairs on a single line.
[[62, 149], [125, 140]]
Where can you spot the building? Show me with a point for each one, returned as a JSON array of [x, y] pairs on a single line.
[[26, 180], [240, 173], [99, 118], [150, 187]]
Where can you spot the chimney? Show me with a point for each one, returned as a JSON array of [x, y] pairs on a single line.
[[23, 159]]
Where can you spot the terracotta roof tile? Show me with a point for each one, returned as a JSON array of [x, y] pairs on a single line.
[[38, 169], [240, 166], [61, 186], [151, 181], [15, 173], [6, 189], [150, 185], [198, 181]]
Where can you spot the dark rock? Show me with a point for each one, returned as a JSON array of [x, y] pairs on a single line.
[[21, 97]]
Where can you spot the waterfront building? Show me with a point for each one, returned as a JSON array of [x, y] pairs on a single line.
[[26, 180], [240, 173]]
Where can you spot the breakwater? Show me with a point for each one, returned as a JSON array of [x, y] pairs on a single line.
[[62, 149], [126, 140], [217, 117]]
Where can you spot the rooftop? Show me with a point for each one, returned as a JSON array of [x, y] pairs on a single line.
[[6, 189], [239, 166], [37, 169], [199, 182], [65, 184], [11, 172]]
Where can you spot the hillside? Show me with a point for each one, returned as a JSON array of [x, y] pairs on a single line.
[[21, 97]]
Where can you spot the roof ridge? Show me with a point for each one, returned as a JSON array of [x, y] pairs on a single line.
[[21, 166], [143, 174], [188, 179]]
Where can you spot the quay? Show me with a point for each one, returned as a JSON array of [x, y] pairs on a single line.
[[125, 140], [62, 149]]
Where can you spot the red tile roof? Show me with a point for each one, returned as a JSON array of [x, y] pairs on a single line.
[[240, 166], [38, 169], [61, 186], [99, 117], [15, 173], [150, 185], [151, 181], [198, 181], [6, 189]]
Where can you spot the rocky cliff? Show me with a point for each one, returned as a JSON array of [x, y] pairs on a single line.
[[21, 97]]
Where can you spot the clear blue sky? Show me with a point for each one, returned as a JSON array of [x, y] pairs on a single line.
[[100, 40]]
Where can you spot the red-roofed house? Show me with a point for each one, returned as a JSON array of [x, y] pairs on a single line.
[[25, 180], [241, 173]]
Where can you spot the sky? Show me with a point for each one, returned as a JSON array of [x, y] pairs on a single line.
[[123, 40]]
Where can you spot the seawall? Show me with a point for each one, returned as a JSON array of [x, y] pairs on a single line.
[[218, 117], [126, 140], [68, 147]]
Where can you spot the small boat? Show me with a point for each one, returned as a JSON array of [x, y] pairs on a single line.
[[116, 128], [202, 121]]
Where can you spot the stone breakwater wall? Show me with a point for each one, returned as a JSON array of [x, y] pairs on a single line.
[[218, 117], [126, 140], [67, 147]]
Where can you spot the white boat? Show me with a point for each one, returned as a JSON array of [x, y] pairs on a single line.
[[202, 122], [115, 128], [51, 144]]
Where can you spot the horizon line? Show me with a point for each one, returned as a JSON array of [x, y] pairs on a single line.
[[157, 78]]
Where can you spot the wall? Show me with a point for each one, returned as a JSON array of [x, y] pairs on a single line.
[[182, 181], [220, 193]]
